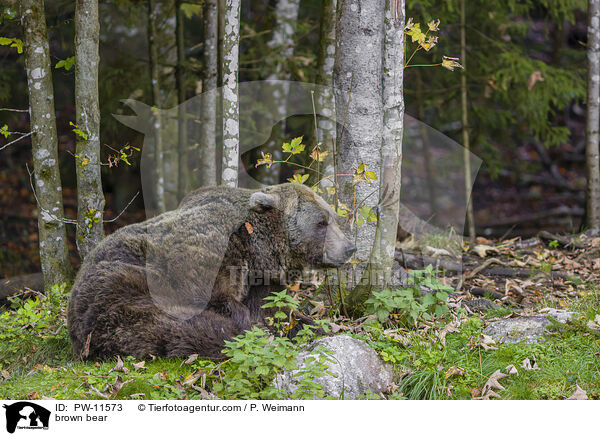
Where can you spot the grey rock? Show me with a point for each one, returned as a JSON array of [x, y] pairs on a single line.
[[357, 367], [526, 329]]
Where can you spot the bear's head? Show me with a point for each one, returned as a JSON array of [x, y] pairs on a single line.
[[314, 236]]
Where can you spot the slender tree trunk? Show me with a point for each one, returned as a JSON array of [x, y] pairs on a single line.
[[159, 175], [465, 123], [231, 131], [325, 99], [182, 146], [381, 260], [90, 198], [208, 166], [593, 117], [54, 255], [282, 44], [358, 99]]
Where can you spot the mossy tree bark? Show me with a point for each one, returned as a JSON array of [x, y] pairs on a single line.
[[231, 131], [54, 256], [208, 144], [90, 198], [593, 117]]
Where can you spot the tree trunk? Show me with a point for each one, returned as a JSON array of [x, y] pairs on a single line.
[[325, 100], [593, 117], [379, 270], [358, 99], [54, 255], [182, 146], [282, 44], [90, 198], [231, 116], [208, 157], [465, 123], [158, 152]]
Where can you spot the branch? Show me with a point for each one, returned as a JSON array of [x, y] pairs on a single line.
[[121, 213], [25, 135], [13, 110]]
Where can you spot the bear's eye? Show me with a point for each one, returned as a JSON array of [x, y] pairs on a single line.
[[323, 223]]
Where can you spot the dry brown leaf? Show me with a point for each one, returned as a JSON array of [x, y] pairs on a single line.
[[510, 370], [579, 394], [139, 366], [482, 249], [113, 390], [449, 391], [249, 227], [535, 77], [33, 396], [448, 328], [454, 370], [528, 366], [191, 359], [119, 367], [5, 374]]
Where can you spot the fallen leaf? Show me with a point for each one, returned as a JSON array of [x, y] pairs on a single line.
[[482, 249], [113, 390], [454, 370], [191, 359], [579, 394], [139, 366], [119, 367], [5, 374], [510, 370], [294, 288], [528, 366], [33, 396], [249, 228]]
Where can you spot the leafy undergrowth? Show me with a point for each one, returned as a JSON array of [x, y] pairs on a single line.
[[436, 354]]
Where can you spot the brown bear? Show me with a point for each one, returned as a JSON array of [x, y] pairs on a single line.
[[189, 279]]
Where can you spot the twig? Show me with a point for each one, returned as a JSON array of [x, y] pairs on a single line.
[[13, 110], [121, 213], [25, 135]]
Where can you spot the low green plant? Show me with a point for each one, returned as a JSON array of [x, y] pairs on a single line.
[[408, 303], [34, 330], [256, 357], [281, 301]]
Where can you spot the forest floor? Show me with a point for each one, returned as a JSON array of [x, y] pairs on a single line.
[[445, 356]]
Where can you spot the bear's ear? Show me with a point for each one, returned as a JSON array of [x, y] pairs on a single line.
[[261, 201]]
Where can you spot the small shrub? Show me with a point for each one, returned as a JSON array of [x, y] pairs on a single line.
[[408, 302], [34, 330]]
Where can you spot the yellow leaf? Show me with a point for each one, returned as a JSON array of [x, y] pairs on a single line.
[[451, 63]]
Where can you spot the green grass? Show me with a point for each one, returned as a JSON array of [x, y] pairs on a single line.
[[36, 359]]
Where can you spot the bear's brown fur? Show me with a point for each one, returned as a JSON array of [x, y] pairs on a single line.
[[177, 284]]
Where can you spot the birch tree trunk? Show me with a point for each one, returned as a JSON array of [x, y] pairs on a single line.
[[593, 116], [358, 99], [325, 100], [182, 146], [159, 172], [231, 116], [208, 153], [90, 198], [379, 270], [54, 256], [465, 123]]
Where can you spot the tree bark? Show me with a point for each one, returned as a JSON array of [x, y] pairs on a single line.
[[593, 117], [358, 98], [465, 123], [379, 271], [182, 146], [208, 164], [159, 172], [54, 255], [90, 198], [231, 131]]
